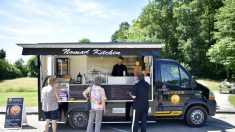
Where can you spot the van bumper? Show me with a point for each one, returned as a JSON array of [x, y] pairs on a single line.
[[212, 107]]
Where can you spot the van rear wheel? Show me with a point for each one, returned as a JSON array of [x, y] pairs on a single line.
[[78, 119], [196, 116]]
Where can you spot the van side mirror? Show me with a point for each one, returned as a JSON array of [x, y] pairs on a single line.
[[193, 82]]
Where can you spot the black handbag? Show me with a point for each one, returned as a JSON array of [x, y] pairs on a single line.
[[88, 103]]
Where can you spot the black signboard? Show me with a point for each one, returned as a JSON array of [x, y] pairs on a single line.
[[14, 113], [92, 51]]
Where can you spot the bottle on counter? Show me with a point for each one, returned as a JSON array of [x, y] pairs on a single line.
[[79, 78], [124, 73], [84, 79]]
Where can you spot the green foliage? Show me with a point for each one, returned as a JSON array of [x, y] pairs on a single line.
[[2, 54], [19, 64], [121, 34], [18, 69], [232, 100], [185, 27], [84, 40], [138, 34], [223, 52], [158, 21], [8, 71], [30, 98], [195, 20], [32, 66]]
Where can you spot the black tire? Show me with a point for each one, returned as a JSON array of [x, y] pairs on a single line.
[[196, 116], [78, 119]]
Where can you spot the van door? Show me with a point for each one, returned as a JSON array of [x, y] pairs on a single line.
[[173, 88]]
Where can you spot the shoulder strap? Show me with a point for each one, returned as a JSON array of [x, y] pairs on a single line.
[[90, 92]]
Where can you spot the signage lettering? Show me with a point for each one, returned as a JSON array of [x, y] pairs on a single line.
[[87, 52], [100, 52], [70, 52]]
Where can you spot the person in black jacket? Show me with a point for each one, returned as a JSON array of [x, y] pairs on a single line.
[[119, 68], [140, 94]]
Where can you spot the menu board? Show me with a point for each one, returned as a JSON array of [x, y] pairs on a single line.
[[75, 91], [113, 92], [118, 92], [14, 112]]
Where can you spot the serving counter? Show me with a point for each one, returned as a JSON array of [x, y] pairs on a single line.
[[116, 89]]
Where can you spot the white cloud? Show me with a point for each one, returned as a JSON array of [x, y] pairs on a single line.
[[32, 31], [92, 8], [40, 10], [13, 17]]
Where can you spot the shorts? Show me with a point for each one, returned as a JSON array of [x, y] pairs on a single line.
[[52, 115]]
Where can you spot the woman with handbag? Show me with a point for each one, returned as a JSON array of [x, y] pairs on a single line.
[[96, 94]]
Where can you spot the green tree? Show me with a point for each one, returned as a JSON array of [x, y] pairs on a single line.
[[19, 64], [195, 20], [186, 27], [158, 21], [32, 67], [121, 34], [137, 33], [8, 71], [2, 54], [84, 40], [223, 52]]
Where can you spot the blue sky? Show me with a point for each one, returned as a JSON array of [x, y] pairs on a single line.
[[34, 21]]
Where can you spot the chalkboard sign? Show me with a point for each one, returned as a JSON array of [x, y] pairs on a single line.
[[14, 113]]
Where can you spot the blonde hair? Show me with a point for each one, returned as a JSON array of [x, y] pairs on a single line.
[[51, 80]]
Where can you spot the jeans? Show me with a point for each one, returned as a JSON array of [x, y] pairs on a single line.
[[97, 116]]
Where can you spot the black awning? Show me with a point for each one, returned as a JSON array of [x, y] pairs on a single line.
[[92, 51], [98, 49]]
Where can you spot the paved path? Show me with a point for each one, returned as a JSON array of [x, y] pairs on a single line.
[[218, 123], [223, 104]]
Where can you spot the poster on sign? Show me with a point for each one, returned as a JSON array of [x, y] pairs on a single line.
[[14, 113]]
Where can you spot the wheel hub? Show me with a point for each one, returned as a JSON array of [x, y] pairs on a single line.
[[197, 116], [80, 118]]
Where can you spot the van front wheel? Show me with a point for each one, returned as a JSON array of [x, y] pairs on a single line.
[[78, 119], [196, 116]]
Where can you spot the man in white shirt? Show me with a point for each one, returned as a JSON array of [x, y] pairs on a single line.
[[50, 98]]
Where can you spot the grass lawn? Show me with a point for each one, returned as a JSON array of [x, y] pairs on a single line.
[[20, 87], [30, 98], [232, 100], [211, 84]]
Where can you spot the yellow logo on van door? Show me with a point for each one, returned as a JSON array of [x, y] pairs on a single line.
[[175, 99]]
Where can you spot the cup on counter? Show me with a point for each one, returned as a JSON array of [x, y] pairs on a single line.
[[63, 97]]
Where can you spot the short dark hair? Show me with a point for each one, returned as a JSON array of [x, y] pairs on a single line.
[[120, 57], [140, 76]]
